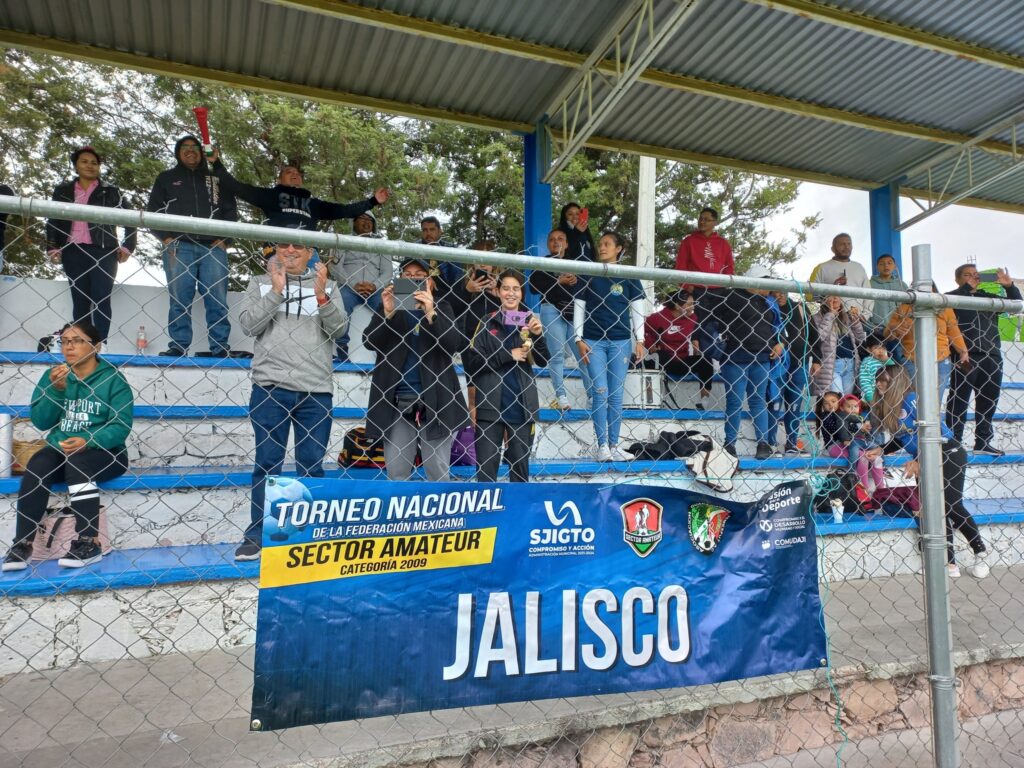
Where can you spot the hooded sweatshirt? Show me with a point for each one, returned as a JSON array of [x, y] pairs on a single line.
[[581, 244], [98, 408], [292, 207], [884, 308], [185, 192], [294, 348], [712, 255], [353, 267]]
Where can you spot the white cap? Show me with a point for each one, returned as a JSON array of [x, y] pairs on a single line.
[[757, 270]]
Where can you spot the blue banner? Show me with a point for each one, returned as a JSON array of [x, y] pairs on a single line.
[[380, 598]]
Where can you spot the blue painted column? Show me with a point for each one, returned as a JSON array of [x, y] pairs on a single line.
[[536, 198], [884, 209]]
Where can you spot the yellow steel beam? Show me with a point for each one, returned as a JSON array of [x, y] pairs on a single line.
[[813, 9], [720, 161], [151, 65], [349, 11]]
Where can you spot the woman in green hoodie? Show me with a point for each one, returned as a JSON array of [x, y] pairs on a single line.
[[86, 405]]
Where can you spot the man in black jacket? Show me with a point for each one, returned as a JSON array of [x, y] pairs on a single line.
[[288, 203], [191, 261], [749, 322], [802, 359], [984, 377]]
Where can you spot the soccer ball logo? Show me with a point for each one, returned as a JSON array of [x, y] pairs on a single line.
[[706, 526], [279, 491]]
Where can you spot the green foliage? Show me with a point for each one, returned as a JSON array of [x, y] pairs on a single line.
[[471, 179]]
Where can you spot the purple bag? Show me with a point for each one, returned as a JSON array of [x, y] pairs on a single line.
[[464, 448], [903, 497]]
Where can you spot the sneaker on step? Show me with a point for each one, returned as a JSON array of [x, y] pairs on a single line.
[[730, 449], [604, 453], [764, 451], [17, 557], [988, 450], [979, 569], [83, 552], [618, 454], [796, 450], [954, 571], [247, 551]]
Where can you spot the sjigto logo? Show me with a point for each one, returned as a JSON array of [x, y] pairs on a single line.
[[566, 534]]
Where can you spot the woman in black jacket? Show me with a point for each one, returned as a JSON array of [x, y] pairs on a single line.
[[504, 347], [575, 225], [90, 253], [416, 402]]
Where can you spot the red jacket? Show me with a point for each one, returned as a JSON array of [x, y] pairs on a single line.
[[664, 331], [706, 254]]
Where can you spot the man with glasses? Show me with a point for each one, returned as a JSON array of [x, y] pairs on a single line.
[[295, 314], [984, 375], [194, 261]]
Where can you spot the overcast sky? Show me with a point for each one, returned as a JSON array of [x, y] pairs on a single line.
[[954, 233]]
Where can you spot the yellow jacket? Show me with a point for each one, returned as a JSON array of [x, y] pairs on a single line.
[[901, 326]]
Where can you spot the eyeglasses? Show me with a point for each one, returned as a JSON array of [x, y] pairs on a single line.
[[74, 341], [292, 247]]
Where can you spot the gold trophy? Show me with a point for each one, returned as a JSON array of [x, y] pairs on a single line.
[[524, 334]]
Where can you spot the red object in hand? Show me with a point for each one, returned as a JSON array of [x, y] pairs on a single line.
[[584, 216], [202, 117]]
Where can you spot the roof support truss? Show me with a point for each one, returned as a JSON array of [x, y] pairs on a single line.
[[589, 96], [945, 169]]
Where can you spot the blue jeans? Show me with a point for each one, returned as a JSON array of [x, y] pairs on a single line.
[[793, 391], [750, 379], [945, 371], [843, 375], [273, 412], [350, 299], [188, 265], [557, 334], [609, 362]]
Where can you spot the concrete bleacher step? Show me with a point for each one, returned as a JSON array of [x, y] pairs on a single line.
[[193, 411]]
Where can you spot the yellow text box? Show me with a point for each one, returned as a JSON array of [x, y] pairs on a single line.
[[344, 558]]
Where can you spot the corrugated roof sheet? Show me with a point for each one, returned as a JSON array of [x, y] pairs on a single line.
[[732, 42]]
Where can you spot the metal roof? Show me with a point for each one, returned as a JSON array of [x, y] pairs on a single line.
[[853, 92]]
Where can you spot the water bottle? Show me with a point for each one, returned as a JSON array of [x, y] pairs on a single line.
[[141, 342], [837, 510]]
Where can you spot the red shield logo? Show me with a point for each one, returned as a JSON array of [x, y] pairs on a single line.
[[641, 525]]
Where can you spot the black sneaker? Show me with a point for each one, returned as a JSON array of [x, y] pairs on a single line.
[[796, 450], [730, 449], [240, 354], [172, 352], [17, 557], [248, 550], [83, 552], [989, 450], [764, 451]]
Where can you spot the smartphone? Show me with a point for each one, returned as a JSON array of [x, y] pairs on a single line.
[[404, 288], [516, 317], [481, 274], [584, 216]]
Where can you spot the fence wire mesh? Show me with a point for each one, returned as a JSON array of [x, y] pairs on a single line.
[[433, 370]]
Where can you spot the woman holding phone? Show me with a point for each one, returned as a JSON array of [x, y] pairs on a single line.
[[574, 222], [608, 319], [505, 346]]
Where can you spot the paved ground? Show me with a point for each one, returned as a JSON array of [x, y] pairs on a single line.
[[191, 710]]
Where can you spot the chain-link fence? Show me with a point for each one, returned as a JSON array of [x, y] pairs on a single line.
[[137, 445]]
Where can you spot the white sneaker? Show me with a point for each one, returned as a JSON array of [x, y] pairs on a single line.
[[603, 453], [980, 568], [954, 571], [564, 404], [620, 455]]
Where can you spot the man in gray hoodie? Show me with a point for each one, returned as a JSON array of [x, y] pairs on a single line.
[[295, 313]]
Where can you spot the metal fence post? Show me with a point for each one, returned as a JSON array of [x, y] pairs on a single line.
[[942, 675]]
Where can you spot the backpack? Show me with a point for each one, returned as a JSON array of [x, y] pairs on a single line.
[[357, 452]]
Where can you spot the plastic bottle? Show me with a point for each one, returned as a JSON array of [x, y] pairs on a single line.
[[837, 510], [141, 342]]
